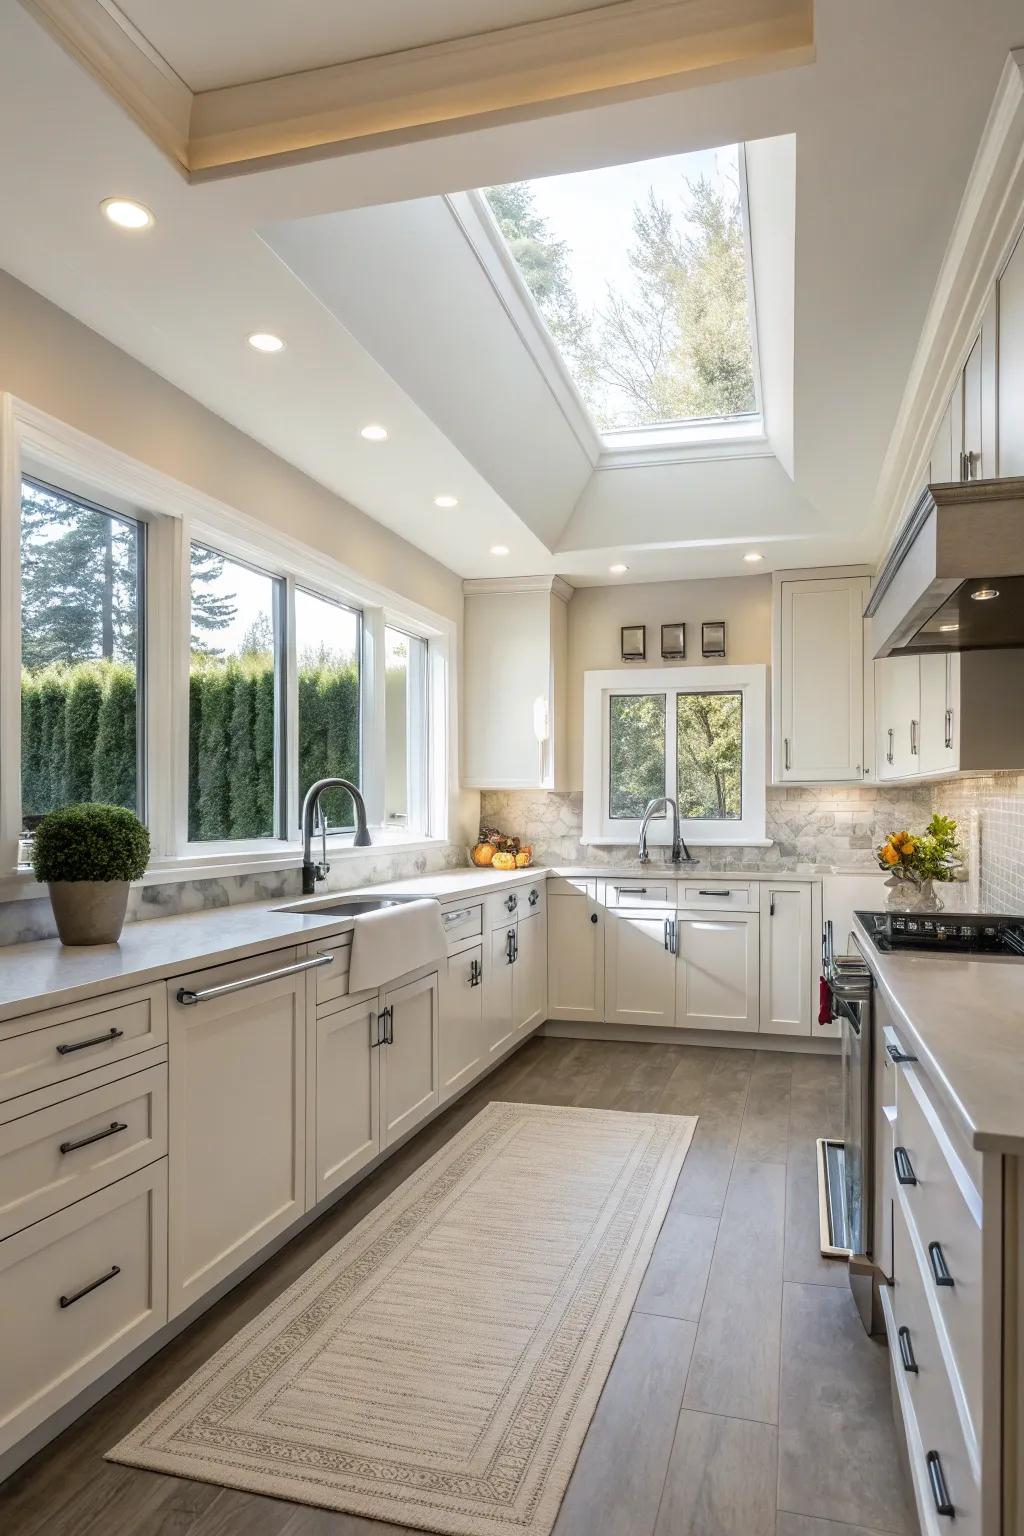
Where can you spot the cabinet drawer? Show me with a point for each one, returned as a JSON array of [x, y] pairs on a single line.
[[79, 1291], [463, 922], [55, 1156], [531, 899], [640, 893], [62, 1043], [502, 907], [571, 885], [943, 1211], [721, 894], [918, 1363]]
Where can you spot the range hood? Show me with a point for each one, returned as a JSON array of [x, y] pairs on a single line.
[[954, 579]]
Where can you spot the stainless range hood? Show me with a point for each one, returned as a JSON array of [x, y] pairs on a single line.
[[954, 579]]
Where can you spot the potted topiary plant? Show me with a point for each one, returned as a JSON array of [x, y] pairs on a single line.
[[88, 855]]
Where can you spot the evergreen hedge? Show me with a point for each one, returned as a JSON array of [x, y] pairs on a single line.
[[78, 731]]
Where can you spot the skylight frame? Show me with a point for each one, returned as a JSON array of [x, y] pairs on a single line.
[[702, 437]]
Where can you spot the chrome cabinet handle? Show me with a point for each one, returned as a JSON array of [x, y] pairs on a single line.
[[188, 998], [907, 1350], [534, 897], [80, 1045], [949, 730], [937, 1478], [714, 893], [668, 934], [896, 1055], [940, 1269], [475, 975], [890, 755], [785, 754], [913, 738], [511, 902], [87, 1141], [456, 917], [94, 1285], [904, 1168]]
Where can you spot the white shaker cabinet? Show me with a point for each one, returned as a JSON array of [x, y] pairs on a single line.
[[237, 1096], [787, 948], [499, 1008], [898, 695], [819, 685], [343, 1133], [717, 974], [530, 973], [1011, 364], [640, 967], [463, 1049], [409, 1055], [940, 716], [575, 952]]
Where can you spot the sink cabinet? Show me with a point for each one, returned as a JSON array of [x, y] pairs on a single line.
[[717, 975], [343, 1096], [639, 967], [409, 1069]]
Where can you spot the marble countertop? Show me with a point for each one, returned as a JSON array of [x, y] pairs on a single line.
[[964, 1019], [44, 974]]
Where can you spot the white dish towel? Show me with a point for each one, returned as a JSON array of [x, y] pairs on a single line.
[[395, 940]]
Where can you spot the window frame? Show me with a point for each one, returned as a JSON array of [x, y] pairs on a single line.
[[38, 446], [600, 829]]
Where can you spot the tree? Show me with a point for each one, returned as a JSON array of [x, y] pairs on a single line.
[[709, 747], [211, 611]]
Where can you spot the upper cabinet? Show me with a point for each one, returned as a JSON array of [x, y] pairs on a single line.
[[964, 447], [941, 714], [515, 666], [819, 680], [1011, 364]]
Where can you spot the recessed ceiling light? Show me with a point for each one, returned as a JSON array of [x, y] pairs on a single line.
[[127, 214], [618, 570], [984, 594], [945, 628], [753, 556], [499, 549], [446, 501], [375, 433], [266, 341]]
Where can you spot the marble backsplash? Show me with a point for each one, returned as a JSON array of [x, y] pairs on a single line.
[[826, 828], [24, 920]]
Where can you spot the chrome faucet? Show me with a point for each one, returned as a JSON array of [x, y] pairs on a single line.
[[680, 853], [312, 812]]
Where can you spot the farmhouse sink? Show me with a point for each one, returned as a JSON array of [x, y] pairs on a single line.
[[343, 906]]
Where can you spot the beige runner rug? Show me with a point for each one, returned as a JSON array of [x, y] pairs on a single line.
[[440, 1366]]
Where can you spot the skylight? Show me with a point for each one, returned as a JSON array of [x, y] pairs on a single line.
[[640, 273]]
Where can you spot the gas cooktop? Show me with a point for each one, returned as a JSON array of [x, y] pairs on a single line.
[[968, 933]]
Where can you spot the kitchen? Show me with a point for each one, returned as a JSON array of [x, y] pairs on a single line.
[[512, 889]]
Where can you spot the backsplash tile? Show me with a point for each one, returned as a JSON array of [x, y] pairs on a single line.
[[995, 806]]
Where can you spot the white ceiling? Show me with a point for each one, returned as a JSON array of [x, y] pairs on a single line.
[[886, 123], [231, 42]]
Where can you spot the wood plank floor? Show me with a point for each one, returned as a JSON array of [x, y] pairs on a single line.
[[745, 1398]]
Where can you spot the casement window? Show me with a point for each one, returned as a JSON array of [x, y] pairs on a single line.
[[166, 653], [695, 734], [82, 625]]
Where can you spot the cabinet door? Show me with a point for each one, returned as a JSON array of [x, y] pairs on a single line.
[[943, 463], [639, 968], [237, 1117], [409, 1076], [898, 691], [344, 1130], [939, 726], [787, 945], [499, 1007], [529, 973], [971, 386], [822, 680], [717, 970], [575, 956], [463, 1050], [1011, 364]]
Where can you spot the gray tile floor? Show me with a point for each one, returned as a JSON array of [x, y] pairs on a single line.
[[745, 1398]]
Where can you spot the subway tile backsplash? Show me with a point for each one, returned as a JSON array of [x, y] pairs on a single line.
[[994, 805]]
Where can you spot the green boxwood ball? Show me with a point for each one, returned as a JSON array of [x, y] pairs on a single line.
[[90, 842]]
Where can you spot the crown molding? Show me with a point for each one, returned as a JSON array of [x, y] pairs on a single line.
[[624, 49], [497, 585], [984, 231]]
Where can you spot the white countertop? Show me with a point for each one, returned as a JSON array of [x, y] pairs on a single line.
[[964, 1019]]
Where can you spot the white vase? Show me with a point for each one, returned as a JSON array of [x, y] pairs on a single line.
[[902, 894]]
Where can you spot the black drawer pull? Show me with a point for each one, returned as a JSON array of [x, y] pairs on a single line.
[[80, 1045], [907, 1350], [937, 1478], [593, 917], [534, 897], [940, 1269], [69, 1301], [904, 1168], [896, 1055], [714, 893], [87, 1141], [511, 902]]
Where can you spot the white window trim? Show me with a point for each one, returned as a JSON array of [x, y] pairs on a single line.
[[32, 442], [600, 830]]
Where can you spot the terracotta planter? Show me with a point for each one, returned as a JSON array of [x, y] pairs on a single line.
[[89, 911]]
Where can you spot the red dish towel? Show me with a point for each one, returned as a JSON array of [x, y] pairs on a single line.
[[824, 1002]]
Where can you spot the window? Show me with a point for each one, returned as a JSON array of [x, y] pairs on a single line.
[[405, 735], [234, 731], [697, 734], [81, 648], [327, 644], [641, 275]]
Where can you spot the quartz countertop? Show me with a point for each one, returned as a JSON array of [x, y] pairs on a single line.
[[963, 1017], [44, 974]]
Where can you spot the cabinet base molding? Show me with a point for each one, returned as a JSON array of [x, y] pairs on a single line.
[[658, 1034]]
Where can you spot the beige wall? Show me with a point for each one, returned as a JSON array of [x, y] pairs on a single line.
[[69, 371], [596, 615]]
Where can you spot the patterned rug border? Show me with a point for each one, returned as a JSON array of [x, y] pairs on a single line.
[[224, 1456]]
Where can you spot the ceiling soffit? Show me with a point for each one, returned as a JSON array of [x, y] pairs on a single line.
[[629, 48]]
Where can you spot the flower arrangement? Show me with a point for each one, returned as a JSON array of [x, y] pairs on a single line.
[[914, 861]]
